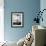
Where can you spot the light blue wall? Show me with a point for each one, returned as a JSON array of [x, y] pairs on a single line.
[[43, 6], [29, 7]]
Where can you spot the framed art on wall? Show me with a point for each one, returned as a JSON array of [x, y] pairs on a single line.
[[17, 19]]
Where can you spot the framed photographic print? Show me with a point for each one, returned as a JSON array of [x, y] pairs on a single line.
[[17, 19]]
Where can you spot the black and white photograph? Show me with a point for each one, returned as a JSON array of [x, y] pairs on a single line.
[[17, 19]]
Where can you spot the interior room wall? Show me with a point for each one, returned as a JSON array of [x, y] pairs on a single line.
[[1, 20], [29, 7], [43, 6]]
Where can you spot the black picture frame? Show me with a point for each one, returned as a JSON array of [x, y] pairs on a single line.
[[17, 19]]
